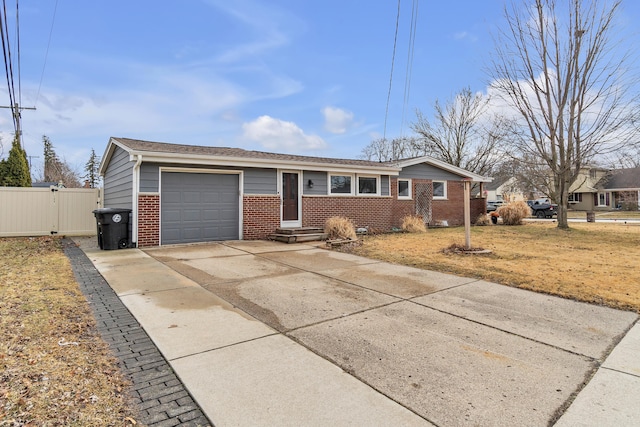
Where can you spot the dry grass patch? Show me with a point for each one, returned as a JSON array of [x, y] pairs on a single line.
[[592, 262], [483, 219], [413, 224], [514, 213], [340, 228], [54, 368]]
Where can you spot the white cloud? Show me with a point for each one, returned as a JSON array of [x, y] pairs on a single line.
[[464, 35], [337, 120], [276, 134], [266, 26]]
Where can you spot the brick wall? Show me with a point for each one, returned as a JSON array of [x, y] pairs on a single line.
[[148, 220], [372, 212], [261, 216], [452, 209], [478, 207], [401, 208]]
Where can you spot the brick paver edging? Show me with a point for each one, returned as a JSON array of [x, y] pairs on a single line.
[[162, 399]]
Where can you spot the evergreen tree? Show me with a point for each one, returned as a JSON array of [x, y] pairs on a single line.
[[91, 168], [14, 171], [51, 161]]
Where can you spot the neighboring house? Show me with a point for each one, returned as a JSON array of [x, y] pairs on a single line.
[[503, 189], [44, 184], [606, 189], [185, 194]]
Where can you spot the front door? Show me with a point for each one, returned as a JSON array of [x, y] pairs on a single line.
[[290, 200]]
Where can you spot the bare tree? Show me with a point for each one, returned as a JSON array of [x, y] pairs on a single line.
[[559, 66], [463, 133], [56, 170], [626, 159], [385, 150]]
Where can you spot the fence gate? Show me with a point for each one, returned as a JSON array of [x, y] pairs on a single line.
[[45, 211], [424, 196]]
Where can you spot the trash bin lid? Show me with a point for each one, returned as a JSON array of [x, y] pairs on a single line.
[[106, 211]]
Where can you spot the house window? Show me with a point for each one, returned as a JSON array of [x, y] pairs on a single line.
[[404, 189], [340, 184], [593, 174], [603, 199], [575, 198], [367, 185], [439, 189]]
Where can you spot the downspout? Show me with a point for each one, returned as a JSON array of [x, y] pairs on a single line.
[[134, 205]]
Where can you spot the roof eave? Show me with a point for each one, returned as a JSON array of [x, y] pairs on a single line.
[[200, 159], [621, 189], [108, 152], [445, 166]]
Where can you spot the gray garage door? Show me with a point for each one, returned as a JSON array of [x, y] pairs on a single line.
[[198, 207]]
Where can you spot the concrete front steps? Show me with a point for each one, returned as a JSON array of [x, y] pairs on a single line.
[[298, 234]]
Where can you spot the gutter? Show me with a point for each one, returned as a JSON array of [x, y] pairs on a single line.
[[134, 196]]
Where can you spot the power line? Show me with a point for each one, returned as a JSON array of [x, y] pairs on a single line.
[[393, 59], [409, 67], [18, 49], [410, 53], [46, 55], [6, 51], [14, 100]]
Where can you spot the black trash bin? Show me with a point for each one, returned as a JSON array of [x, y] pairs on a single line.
[[113, 228]]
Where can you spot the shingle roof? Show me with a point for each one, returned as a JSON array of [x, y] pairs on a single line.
[[168, 148], [621, 179], [496, 183]]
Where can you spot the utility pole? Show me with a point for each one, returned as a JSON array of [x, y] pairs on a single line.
[[31, 157], [15, 110]]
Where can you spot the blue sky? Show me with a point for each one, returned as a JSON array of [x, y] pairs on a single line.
[[305, 77]]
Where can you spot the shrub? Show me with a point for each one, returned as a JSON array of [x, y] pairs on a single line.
[[339, 227], [413, 224], [514, 213], [483, 219]]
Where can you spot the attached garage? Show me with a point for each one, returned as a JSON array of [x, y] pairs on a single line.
[[199, 207]]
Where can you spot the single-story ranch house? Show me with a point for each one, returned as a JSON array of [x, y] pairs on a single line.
[[187, 194]]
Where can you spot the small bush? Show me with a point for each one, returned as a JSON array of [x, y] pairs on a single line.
[[340, 228], [413, 224], [483, 219], [514, 213]]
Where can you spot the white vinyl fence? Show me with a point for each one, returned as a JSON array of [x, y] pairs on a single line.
[[45, 211]]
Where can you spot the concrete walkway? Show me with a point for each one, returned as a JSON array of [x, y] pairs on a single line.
[[263, 333]]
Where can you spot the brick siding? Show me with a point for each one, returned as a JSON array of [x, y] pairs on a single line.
[[372, 212], [261, 216], [148, 220], [452, 209]]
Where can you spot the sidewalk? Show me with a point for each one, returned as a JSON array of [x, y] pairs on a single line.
[[245, 371]]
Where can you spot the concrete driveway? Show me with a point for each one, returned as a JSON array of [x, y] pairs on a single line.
[[264, 333]]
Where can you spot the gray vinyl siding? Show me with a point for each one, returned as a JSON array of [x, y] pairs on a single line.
[[256, 180], [148, 178], [118, 181], [384, 185], [319, 183], [423, 171], [260, 181]]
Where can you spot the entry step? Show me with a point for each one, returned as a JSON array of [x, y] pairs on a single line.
[[299, 234], [299, 230]]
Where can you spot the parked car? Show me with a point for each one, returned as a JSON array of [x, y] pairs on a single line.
[[492, 205], [542, 208]]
